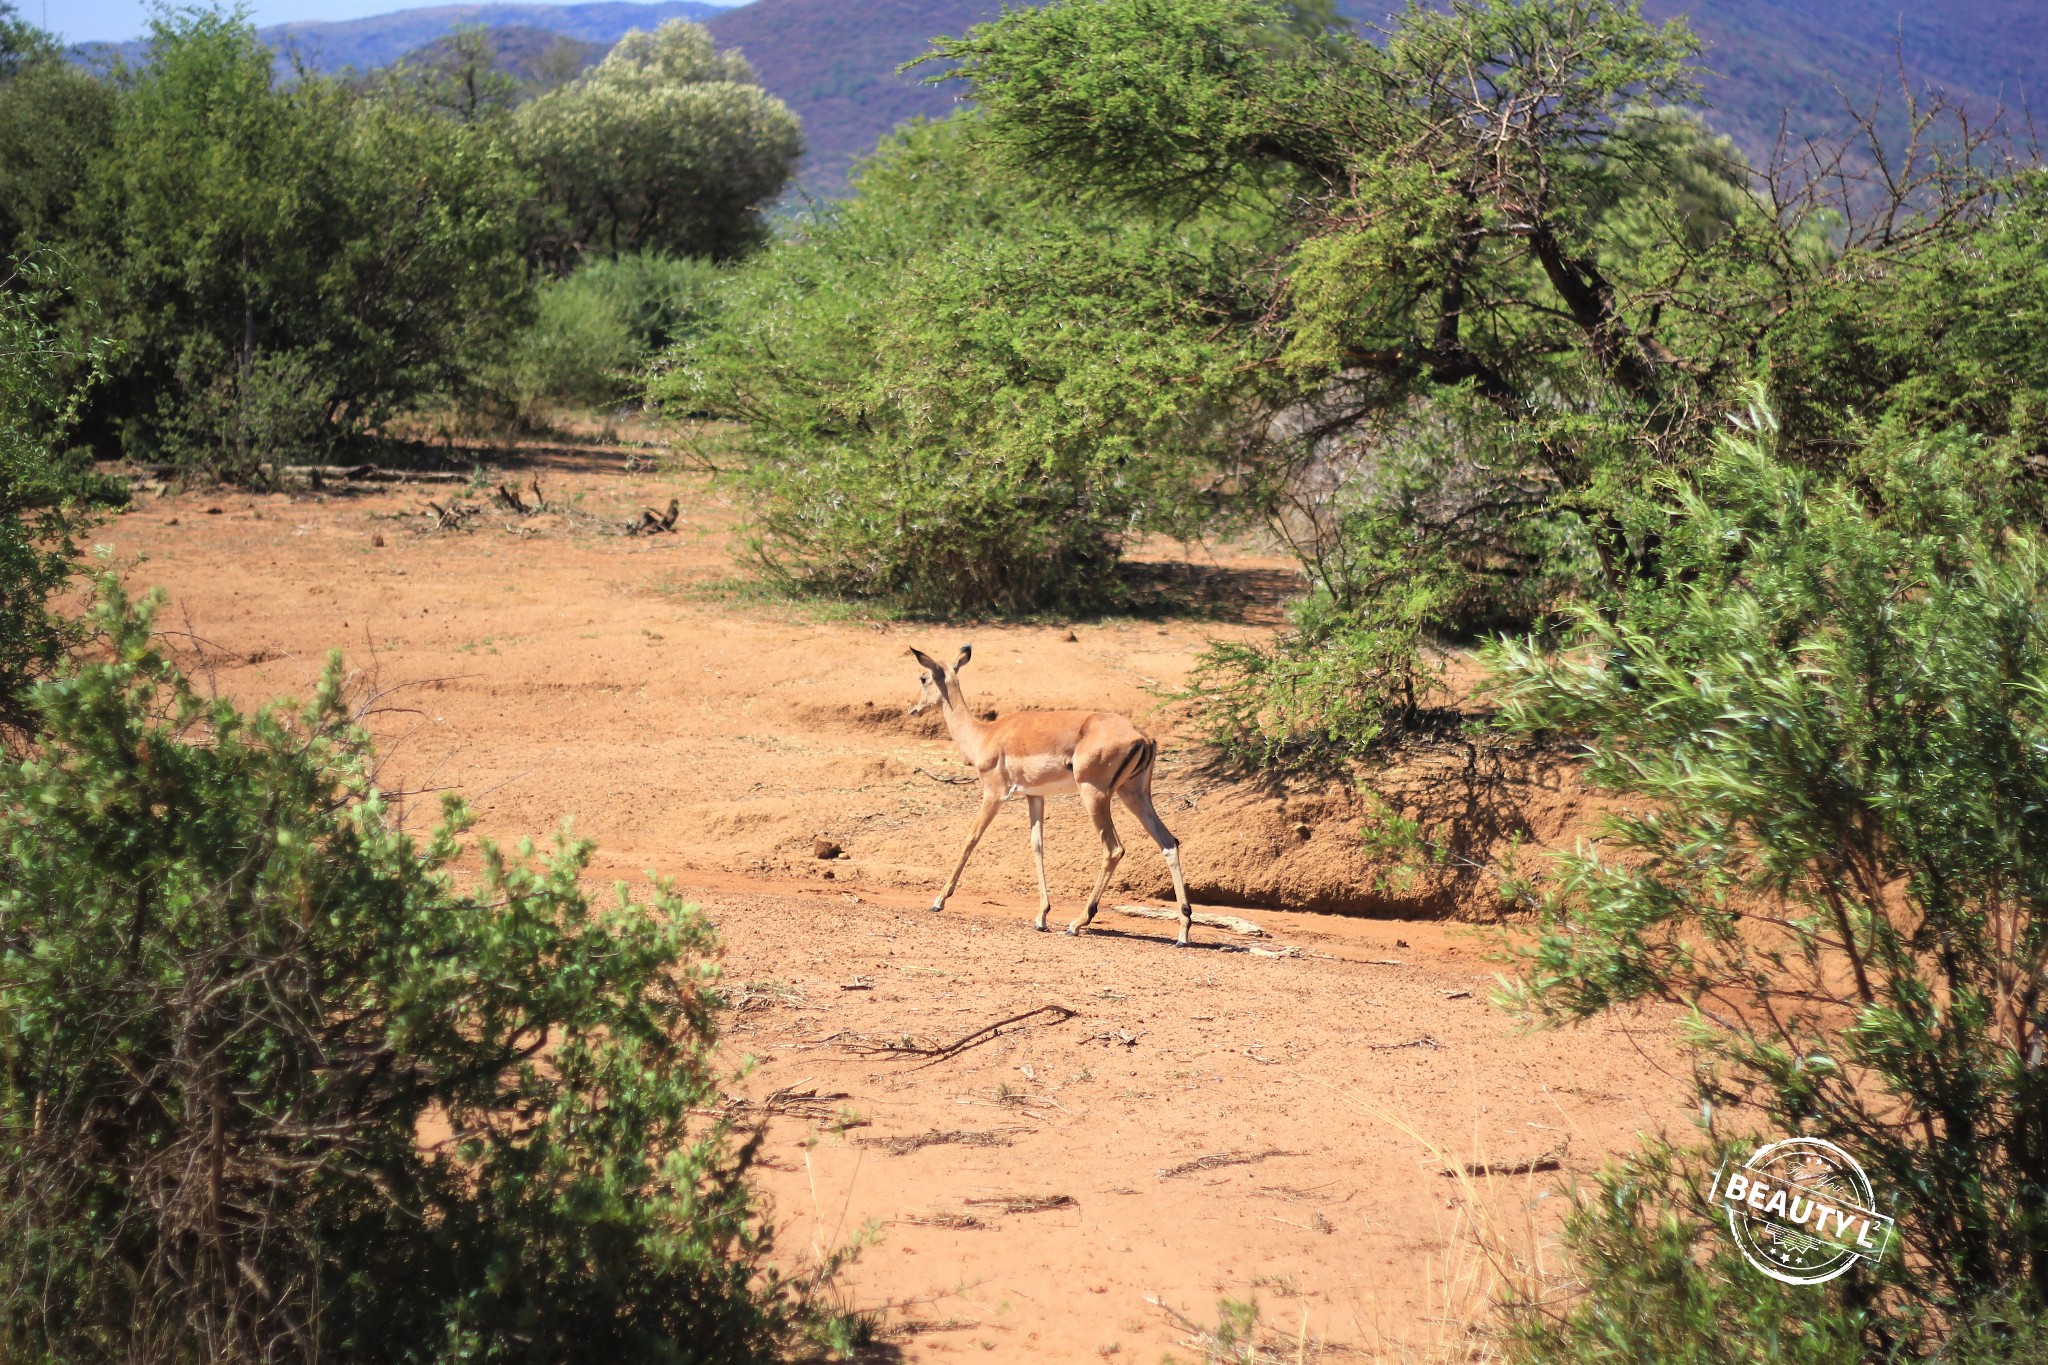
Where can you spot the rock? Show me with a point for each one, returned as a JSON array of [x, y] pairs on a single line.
[[825, 848]]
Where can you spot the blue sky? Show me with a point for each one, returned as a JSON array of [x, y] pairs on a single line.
[[93, 21]]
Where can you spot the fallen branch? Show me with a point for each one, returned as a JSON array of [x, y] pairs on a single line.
[[453, 517], [988, 1032], [1023, 1203], [956, 1137], [806, 1104], [944, 1220], [933, 1053], [1426, 1040], [369, 473], [516, 504], [1228, 922], [1551, 1160], [949, 781], [1218, 1160]]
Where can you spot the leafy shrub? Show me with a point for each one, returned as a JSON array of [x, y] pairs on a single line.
[[1828, 724], [45, 498], [273, 1087], [595, 332], [1325, 691], [1392, 530], [1657, 1279], [667, 145], [950, 402], [267, 251]]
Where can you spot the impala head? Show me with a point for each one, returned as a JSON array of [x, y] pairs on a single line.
[[932, 680]]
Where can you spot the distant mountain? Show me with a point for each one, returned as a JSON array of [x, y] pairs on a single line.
[[1773, 58], [379, 40], [533, 56], [834, 61], [384, 38]]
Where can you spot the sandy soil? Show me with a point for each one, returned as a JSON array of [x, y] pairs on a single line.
[[556, 671]]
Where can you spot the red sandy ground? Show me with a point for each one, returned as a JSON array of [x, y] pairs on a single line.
[[557, 671]]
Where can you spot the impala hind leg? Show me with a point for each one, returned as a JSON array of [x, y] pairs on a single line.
[[990, 804], [1097, 802], [1036, 805], [1139, 800]]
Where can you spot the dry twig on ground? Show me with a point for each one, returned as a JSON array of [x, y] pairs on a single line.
[[953, 1137], [1216, 1160], [1023, 1203]]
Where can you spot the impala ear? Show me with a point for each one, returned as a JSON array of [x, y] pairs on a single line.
[[927, 661], [966, 653]]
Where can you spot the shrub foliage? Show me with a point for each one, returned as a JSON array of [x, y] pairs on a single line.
[[1828, 728], [274, 1085]]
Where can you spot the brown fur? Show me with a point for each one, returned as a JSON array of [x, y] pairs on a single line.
[[1097, 755]]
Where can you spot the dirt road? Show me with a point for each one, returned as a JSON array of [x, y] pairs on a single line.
[[1250, 1119]]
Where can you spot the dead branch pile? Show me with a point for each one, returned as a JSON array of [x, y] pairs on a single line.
[[516, 504], [456, 516], [653, 523]]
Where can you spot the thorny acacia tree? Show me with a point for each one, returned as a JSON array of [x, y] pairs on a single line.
[[1506, 279]]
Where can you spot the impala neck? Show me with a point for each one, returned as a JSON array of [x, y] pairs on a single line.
[[970, 736]]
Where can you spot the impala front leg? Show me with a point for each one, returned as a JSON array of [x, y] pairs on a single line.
[[990, 804], [1036, 805]]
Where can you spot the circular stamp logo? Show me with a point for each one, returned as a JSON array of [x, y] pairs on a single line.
[[1802, 1211]]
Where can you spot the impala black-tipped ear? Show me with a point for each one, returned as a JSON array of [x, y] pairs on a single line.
[[927, 661], [966, 653]]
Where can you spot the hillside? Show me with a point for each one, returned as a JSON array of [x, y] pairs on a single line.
[[375, 41], [1790, 57], [835, 61]]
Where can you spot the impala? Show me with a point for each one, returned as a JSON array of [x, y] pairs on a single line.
[[1035, 754]]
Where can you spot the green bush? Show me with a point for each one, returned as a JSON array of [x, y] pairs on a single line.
[[1827, 730], [285, 263], [1325, 691], [666, 145], [273, 1085], [45, 498], [596, 332], [1656, 1281], [958, 398]]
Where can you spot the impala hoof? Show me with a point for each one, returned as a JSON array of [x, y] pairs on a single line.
[[936, 906], [1073, 931]]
